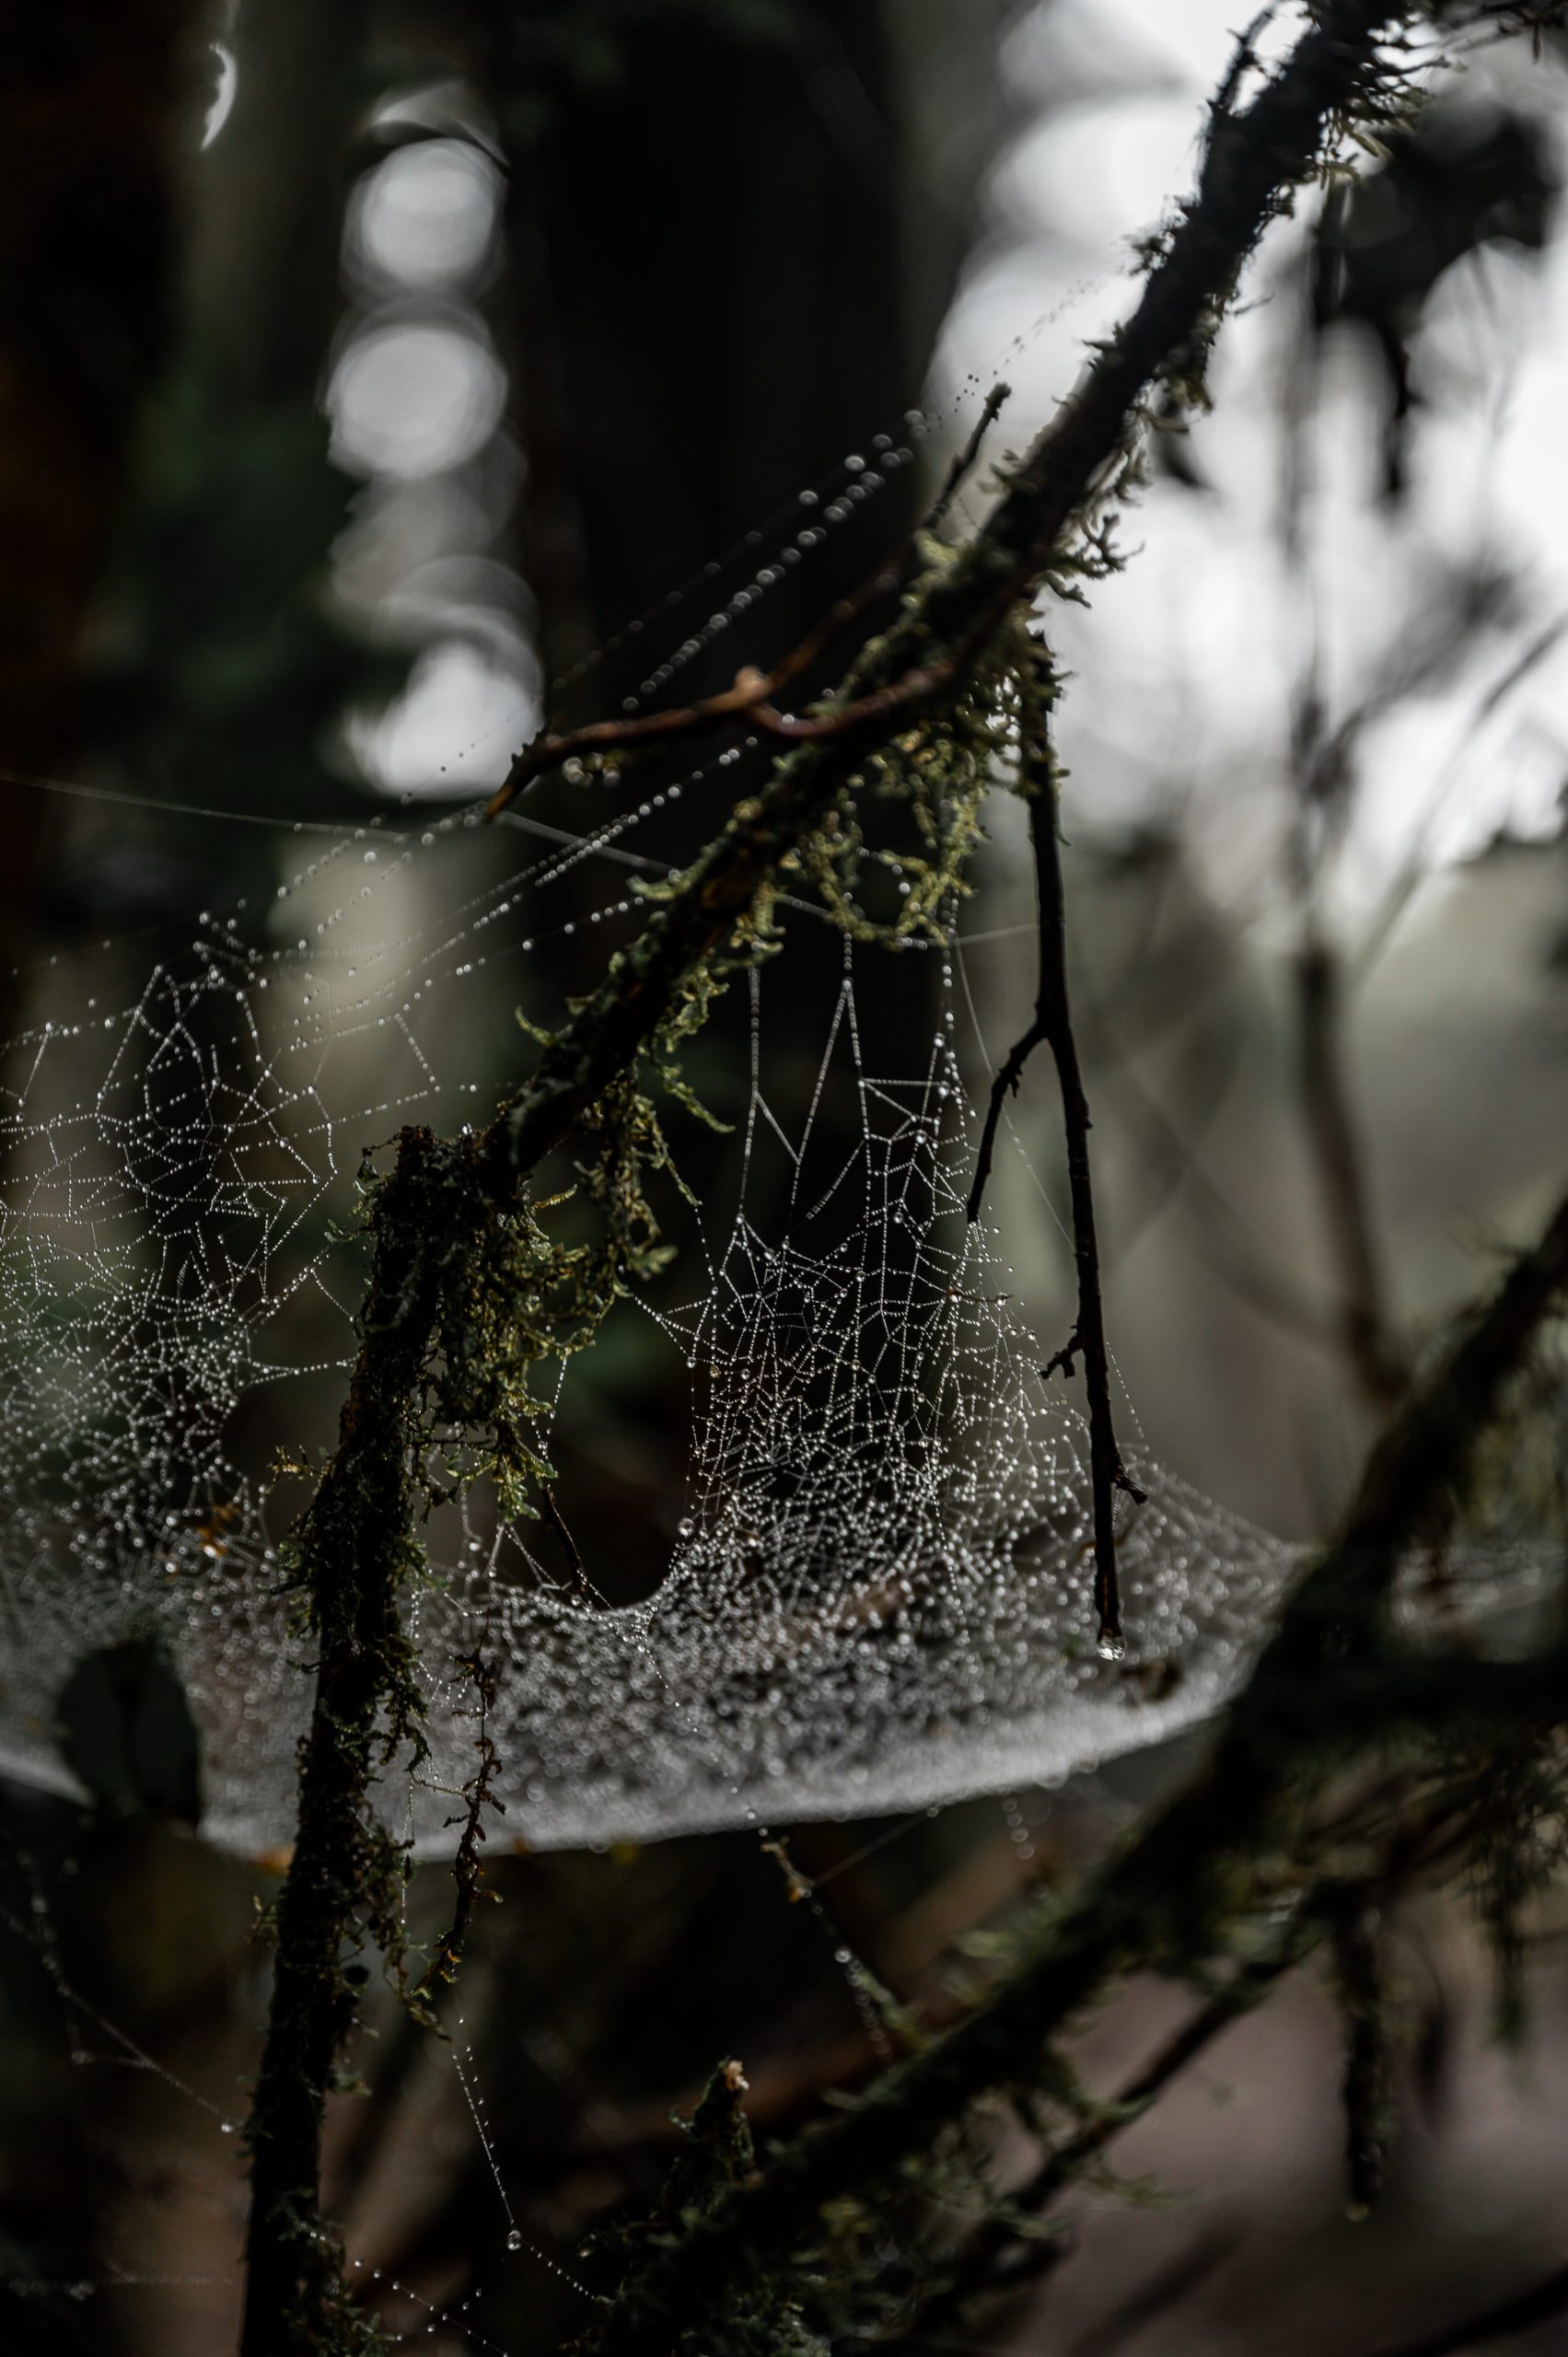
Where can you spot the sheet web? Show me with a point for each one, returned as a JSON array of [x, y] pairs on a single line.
[[878, 1597]]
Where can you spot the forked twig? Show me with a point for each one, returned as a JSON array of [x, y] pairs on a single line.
[[1052, 1028], [751, 695]]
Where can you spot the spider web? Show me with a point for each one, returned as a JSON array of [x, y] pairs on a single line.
[[879, 1595]]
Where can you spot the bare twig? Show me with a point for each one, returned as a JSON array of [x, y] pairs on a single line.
[[1052, 1028], [750, 694], [557, 1522], [965, 459]]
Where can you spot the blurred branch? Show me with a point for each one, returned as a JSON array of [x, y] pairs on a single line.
[[1052, 1028], [1324, 777], [1423, 654], [1360, 1307], [1170, 1162], [1521, 2312], [1417, 866], [1248, 1985]]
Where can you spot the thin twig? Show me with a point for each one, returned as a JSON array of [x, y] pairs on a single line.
[[1052, 1028], [750, 694], [967, 456], [468, 1866], [557, 1522]]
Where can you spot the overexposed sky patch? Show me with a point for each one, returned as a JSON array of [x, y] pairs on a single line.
[[1208, 633]]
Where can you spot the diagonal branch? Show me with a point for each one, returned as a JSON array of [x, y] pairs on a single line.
[[966, 459], [1247, 1987]]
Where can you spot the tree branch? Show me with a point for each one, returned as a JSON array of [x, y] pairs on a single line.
[[1247, 1987], [354, 1546], [468, 1866]]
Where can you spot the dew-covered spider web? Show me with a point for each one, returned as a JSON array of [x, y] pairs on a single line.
[[879, 1595]]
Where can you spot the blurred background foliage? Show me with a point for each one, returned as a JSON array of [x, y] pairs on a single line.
[[365, 364]]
